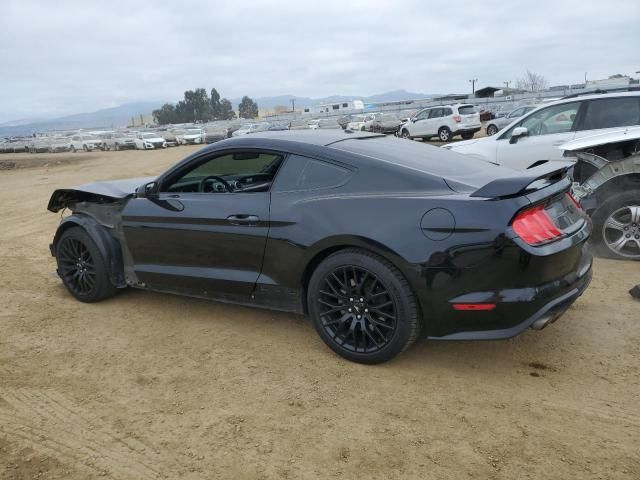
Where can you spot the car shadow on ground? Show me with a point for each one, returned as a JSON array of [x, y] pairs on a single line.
[[290, 330]]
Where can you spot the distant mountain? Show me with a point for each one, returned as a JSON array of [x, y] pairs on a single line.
[[107, 118], [121, 115], [285, 100]]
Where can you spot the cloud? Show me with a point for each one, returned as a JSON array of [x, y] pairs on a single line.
[[73, 56]]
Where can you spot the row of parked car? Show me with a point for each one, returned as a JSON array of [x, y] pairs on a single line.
[[113, 140]]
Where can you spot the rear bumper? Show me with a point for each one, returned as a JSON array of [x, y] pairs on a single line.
[[467, 129], [538, 306]]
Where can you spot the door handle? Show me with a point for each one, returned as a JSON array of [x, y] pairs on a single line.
[[243, 219]]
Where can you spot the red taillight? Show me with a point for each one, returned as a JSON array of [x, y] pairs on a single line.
[[457, 118], [474, 306], [535, 226]]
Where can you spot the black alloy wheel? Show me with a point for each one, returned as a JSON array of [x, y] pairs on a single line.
[[357, 310], [77, 267], [362, 307], [81, 266]]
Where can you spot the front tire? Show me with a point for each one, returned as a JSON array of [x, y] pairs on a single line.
[[82, 268], [616, 226], [444, 134], [405, 134], [73, 149], [492, 130], [85, 148], [362, 307]]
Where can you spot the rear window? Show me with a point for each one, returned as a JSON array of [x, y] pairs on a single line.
[[467, 110], [413, 155]]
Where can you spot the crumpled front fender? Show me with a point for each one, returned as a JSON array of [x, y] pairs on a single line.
[[107, 244]]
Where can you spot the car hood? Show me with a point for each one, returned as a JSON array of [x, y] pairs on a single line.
[[154, 139], [464, 143], [611, 136], [98, 191]]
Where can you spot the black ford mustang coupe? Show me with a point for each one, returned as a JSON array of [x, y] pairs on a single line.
[[378, 240]]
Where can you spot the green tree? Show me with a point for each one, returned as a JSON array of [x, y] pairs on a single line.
[[247, 108], [198, 105], [165, 114], [226, 110], [215, 104]]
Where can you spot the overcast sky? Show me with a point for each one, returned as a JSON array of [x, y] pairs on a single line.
[[62, 57]]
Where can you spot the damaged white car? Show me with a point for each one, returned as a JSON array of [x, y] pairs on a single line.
[[607, 185]]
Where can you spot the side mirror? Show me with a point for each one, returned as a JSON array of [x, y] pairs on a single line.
[[517, 133], [147, 190]]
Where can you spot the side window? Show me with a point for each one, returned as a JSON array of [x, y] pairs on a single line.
[[447, 112], [612, 112], [422, 115], [516, 113], [437, 113], [302, 173], [238, 172], [554, 119]]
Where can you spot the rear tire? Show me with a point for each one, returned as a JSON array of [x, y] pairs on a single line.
[[467, 135], [82, 268], [362, 307], [85, 148], [616, 227], [73, 149], [444, 134]]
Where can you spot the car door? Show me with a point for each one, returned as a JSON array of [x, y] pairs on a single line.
[[435, 120], [419, 124], [547, 128], [204, 232]]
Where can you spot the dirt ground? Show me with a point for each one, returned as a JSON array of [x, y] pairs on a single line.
[[149, 386]]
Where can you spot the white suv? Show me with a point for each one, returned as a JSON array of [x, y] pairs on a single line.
[[534, 138], [444, 122], [86, 142]]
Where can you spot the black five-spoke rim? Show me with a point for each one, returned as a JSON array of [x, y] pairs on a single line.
[[357, 310], [76, 266]]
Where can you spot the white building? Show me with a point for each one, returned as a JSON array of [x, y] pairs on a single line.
[[336, 107]]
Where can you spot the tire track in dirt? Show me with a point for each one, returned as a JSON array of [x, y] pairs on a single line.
[[49, 422], [608, 412]]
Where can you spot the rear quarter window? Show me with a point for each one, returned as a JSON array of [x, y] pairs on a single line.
[[302, 173], [612, 112]]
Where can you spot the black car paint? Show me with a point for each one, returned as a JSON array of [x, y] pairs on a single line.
[[183, 243]]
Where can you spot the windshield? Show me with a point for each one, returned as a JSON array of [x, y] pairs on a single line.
[[193, 131], [148, 135]]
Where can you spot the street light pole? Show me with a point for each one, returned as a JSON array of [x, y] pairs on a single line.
[[473, 85], [293, 105]]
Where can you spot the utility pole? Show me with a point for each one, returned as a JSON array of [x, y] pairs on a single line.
[[473, 85], [293, 105]]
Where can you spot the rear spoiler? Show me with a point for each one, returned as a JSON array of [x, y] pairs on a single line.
[[521, 182]]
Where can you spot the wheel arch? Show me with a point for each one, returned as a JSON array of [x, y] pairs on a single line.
[[329, 247], [108, 245], [613, 186]]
